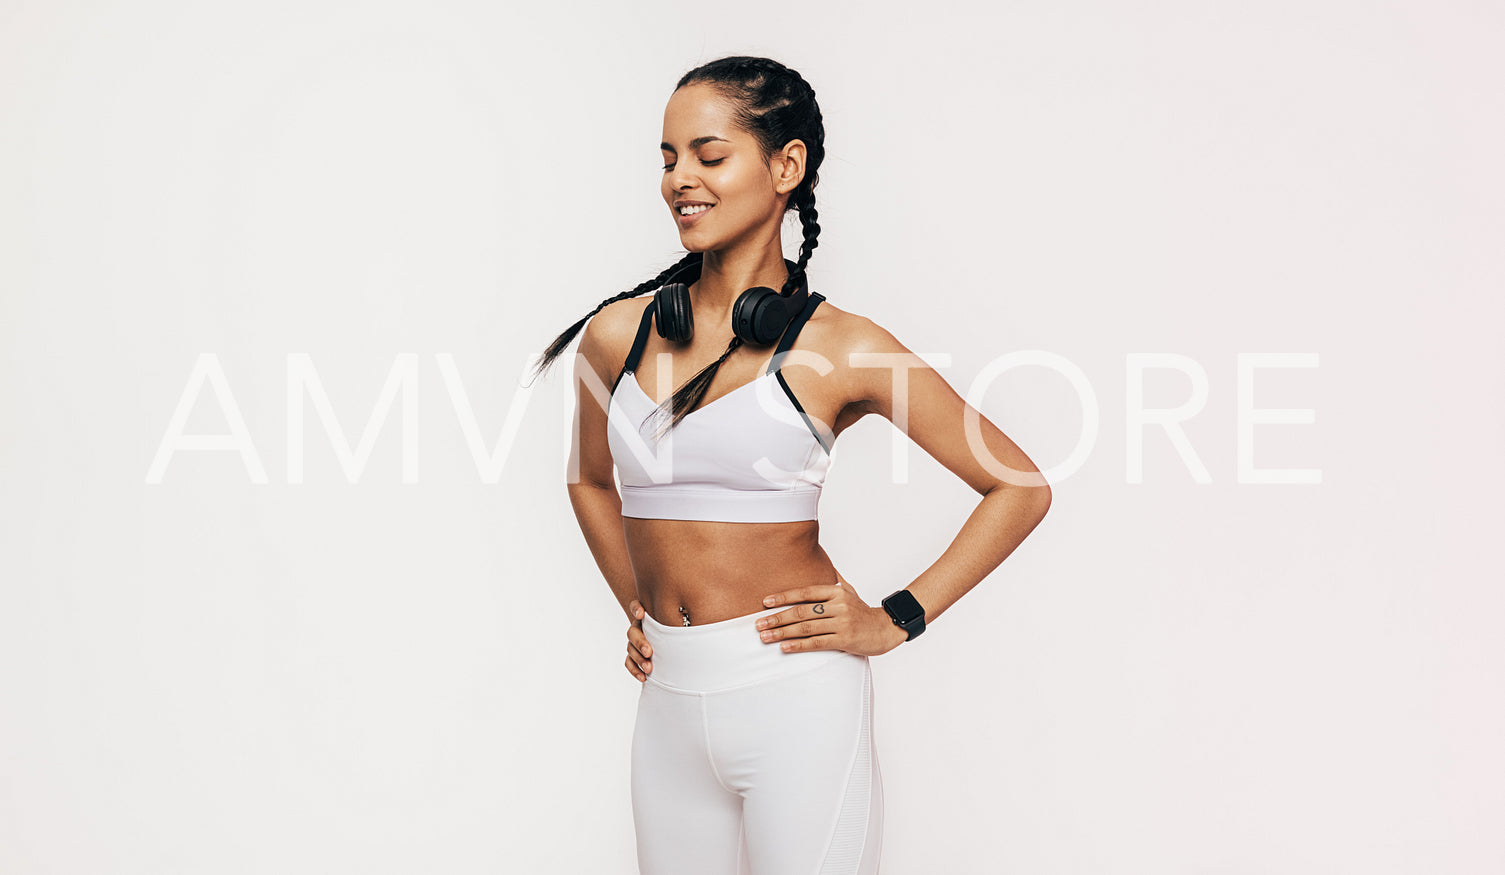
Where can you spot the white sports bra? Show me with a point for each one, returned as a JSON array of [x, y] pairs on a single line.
[[750, 456]]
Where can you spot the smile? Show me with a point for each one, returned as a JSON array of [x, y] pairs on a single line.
[[691, 214]]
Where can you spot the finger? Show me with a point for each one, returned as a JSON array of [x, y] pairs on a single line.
[[636, 638], [793, 615], [811, 642], [782, 618], [802, 612], [817, 593], [638, 655], [636, 672], [818, 626], [786, 597]]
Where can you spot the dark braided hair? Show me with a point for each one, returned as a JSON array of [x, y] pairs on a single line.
[[776, 105]]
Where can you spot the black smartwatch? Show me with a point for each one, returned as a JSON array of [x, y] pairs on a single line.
[[904, 609]]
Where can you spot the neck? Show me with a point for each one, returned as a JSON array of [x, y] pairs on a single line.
[[725, 276]]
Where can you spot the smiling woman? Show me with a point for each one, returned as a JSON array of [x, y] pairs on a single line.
[[753, 747]]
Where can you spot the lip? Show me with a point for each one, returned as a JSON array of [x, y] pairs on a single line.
[[687, 221]]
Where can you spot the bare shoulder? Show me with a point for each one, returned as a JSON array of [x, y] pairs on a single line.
[[607, 337], [839, 334], [849, 341]]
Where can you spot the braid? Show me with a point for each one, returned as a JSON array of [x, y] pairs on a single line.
[[568, 335], [806, 207], [776, 105]]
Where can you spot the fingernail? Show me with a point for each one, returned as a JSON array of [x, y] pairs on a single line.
[[768, 601]]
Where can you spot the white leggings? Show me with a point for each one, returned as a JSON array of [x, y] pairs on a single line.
[[747, 760]]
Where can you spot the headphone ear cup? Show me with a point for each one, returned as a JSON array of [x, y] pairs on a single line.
[[760, 315], [675, 321]]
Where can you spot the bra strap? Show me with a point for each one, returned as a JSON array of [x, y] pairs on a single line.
[[638, 345], [786, 340]]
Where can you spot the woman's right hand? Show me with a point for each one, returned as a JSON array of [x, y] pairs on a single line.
[[639, 652]]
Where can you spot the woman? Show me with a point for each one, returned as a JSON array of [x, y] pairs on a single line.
[[753, 748]]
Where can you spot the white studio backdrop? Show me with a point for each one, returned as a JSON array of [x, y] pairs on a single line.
[[373, 640]]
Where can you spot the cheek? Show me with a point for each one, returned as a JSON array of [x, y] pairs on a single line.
[[753, 190]]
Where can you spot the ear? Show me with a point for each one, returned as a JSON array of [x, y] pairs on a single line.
[[789, 166]]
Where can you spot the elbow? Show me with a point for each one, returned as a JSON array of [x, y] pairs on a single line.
[[590, 486], [1042, 501], [1040, 494], [585, 478], [1034, 496]]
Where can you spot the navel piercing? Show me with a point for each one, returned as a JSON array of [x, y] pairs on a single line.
[[684, 614]]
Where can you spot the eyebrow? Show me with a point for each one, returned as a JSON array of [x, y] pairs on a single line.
[[694, 144]]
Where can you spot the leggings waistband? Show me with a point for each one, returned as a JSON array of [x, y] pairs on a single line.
[[724, 654]]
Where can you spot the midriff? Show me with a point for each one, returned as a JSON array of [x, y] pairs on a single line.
[[719, 570]]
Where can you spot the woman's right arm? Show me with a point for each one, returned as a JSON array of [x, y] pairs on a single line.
[[591, 482]]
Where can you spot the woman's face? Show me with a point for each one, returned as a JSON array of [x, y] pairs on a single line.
[[709, 160]]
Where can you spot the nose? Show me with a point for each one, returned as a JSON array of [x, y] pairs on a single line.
[[680, 178]]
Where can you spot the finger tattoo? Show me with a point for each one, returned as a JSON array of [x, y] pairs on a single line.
[[819, 609]]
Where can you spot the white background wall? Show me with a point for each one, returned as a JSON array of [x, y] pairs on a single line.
[[215, 675]]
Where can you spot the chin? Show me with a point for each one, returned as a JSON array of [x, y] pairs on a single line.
[[693, 243]]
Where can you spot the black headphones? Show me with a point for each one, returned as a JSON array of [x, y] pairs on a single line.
[[759, 316]]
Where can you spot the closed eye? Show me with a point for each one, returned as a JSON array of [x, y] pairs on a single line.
[[706, 163]]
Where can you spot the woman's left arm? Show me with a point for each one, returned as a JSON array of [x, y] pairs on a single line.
[[887, 379], [1015, 496]]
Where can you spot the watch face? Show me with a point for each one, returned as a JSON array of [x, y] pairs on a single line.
[[904, 607]]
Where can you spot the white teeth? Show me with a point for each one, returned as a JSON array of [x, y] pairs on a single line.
[[690, 211]]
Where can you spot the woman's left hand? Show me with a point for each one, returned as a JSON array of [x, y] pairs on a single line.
[[829, 616]]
